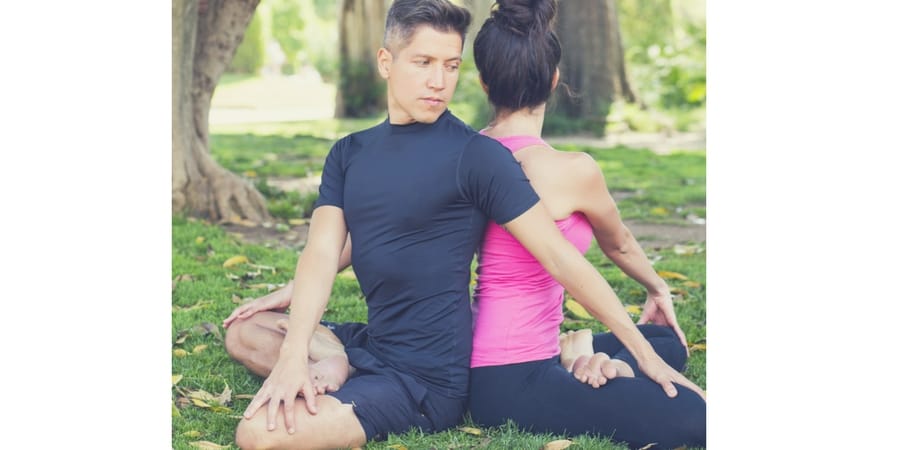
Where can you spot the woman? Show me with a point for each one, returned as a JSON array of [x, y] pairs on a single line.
[[518, 306]]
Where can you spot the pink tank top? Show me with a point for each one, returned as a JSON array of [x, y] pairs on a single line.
[[518, 305]]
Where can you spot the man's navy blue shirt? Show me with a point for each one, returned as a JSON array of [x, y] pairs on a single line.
[[416, 199]]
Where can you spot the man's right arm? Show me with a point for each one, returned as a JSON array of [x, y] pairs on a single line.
[[313, 279]]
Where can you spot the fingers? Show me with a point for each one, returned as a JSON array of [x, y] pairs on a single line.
[[254, 405], [669, 387], [289, 414], [272, 412], [309, 395]]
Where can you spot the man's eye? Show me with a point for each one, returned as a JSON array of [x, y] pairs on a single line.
[[453, 68]]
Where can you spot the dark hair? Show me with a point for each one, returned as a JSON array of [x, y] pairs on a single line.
[[405, 16], [517, 53]]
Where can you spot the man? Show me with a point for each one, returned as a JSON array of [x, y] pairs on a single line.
[[416, 193]]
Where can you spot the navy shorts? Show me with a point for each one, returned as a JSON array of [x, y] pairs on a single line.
[[386, 400]]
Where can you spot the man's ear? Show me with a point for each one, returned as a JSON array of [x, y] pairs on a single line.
[[555, 79], [384, 59]]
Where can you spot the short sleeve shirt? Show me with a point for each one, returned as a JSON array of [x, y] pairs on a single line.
[[416, 199]]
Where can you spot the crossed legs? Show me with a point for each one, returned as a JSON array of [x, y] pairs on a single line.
[[255, 342]]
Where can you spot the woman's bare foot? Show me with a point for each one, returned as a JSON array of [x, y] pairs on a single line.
[[330, 374], [575, 344], [599, 368]]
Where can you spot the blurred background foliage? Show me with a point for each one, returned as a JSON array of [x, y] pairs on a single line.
[[663, 44]]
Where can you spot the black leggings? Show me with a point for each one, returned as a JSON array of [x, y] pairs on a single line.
[[542, 397]]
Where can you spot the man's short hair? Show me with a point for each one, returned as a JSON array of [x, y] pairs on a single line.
[[405, 16]]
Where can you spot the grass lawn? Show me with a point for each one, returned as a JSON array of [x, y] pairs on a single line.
[[210, 391]]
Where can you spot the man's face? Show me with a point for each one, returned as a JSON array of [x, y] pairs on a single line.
[[422, 76]]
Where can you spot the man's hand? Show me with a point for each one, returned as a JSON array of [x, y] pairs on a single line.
[[277, 300], [289, 378], [659, 310]]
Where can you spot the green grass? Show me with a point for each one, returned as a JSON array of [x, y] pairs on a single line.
[[663, 188], [199, 249]]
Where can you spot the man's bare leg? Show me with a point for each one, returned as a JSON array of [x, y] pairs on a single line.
[[334, 426], [256, 341]]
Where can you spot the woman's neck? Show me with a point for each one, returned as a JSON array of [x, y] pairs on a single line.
[[523, 122]]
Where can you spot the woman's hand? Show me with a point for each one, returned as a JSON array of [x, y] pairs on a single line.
[[659, 310], [657, 370], [277, 300], [288, 379]]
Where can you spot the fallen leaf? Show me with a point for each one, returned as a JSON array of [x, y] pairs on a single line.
[[202, 304], [206, 445], [180, 352], [470, 430], [297, 222], [205, 328], [576, 309], [686, 249], [250, 173], [201, 403], [182, 402], [698, 347], [672, 275], [184, 278], [397, 446], [198, 348], [192, 434], [259, 267], [659, 211], [650, 445], [199, 239], [691, 284], [175, 411], [232, 277], [235, 260], [244, 396], [225, 397], [176, 379], [182, 336], [557, 445], [633, 309]]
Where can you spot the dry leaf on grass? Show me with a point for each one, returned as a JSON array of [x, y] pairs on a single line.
[[180, 352], [671, 275], [235, 260], [691, 284], [633, 309], [176, 379], [576, 309], [206, 445], [192, 434], [470, 430], [198, 348], [557, 445]]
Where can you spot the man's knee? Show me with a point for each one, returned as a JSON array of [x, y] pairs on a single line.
[[234, 343], [252, 434]]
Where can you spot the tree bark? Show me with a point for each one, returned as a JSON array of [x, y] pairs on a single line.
[[593, 62], [205, 36], [361, 91]]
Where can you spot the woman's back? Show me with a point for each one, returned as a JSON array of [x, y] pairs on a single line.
[[517, 303]]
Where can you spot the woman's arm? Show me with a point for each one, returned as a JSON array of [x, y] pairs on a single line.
[[536, 231], [593, 199]]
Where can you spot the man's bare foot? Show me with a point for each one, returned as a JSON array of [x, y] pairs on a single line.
[[575, 344], [597, 369], [330, 374]]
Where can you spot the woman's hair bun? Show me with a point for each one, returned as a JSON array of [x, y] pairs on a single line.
[[524, 16]]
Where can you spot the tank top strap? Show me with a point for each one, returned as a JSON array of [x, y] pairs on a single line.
[[516, 143]]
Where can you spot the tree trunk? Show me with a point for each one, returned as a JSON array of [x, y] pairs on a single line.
[[361, 91], [205, 36], [593, 62]]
